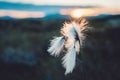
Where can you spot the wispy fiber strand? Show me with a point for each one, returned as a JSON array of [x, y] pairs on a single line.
[[71, 40]]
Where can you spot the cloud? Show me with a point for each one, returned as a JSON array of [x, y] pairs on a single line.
[[41, 14], [21, 14], [69, 2]]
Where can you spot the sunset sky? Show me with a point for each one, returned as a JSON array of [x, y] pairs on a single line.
[[99, 7], [107, 3]]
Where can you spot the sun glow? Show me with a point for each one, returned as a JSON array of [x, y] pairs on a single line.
[[77, 13]]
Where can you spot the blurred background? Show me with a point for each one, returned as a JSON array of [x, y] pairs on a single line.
[[27, 26]]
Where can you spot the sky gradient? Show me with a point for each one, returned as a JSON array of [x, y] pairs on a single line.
[[106, 3], [38, 9]]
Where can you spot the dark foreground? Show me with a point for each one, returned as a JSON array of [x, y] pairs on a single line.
[[23, 56]]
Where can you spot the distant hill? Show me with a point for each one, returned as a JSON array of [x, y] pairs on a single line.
[[7, 18], [103, 16], [58, 16], [52, 16]]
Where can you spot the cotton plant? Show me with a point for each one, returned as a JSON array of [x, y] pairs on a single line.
[[70, 41]]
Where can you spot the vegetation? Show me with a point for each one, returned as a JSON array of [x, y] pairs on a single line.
[[24, 43]]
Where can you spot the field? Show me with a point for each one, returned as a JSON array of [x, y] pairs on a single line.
[[24, 56]]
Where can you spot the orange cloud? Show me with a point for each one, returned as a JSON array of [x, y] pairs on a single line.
[[89, 11], [21, 14]]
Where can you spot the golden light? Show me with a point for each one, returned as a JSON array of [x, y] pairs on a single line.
[[77, 13]]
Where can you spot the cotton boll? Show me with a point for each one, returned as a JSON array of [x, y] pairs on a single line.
[[56, 46], [72, 40], [69, 60]]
